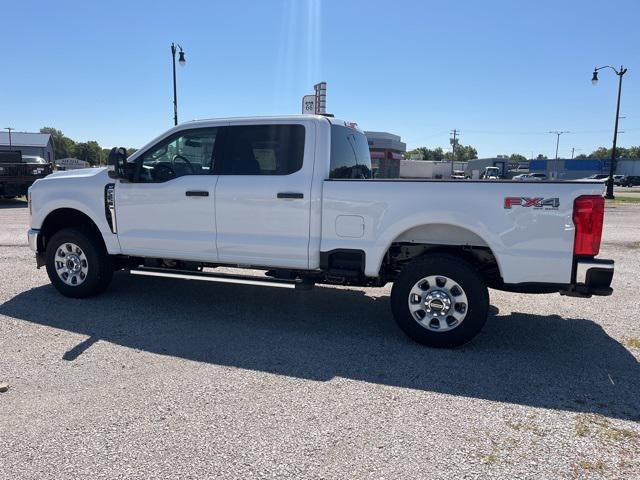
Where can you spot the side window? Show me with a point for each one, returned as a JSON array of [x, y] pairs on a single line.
[[350, 156], [262, 150], [185, 153]]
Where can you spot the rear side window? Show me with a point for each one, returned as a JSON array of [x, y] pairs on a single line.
[[262, 150], [349, 154]]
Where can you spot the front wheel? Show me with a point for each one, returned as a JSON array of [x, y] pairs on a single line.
[[78, 265], [440, 301]]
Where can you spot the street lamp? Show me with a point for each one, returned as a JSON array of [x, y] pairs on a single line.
[[8, 129], [558, 133], [181, 61], [612, 169]]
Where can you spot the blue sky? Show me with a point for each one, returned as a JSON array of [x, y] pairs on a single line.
[[502, 72]]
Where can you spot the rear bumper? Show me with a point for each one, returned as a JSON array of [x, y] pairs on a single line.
[[592, 277]]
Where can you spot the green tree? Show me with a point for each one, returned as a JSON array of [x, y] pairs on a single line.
[[621, 152], [634, 152], [517, 158], [435, 154], [463, 153], [89, 152], [63, 146], [582, 156], [542, 157]]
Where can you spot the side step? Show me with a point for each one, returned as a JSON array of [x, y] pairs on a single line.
[[222, 278]]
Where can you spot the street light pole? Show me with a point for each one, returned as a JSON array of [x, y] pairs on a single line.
[[9, 130], [558, 133], [181, 61], [594, 80]]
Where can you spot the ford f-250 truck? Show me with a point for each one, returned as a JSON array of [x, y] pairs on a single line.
[[293, 196]]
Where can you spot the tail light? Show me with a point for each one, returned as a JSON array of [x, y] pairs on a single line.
[[588, 217]]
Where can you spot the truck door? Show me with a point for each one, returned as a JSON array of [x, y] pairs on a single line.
[[263, 192], [168, 211]]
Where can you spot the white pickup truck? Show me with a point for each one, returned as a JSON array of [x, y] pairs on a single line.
[[293, 196]]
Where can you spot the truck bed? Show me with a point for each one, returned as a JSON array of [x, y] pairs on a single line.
[[532, 240]]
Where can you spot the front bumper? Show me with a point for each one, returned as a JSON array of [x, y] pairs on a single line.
[[592, 277], [32, 235]]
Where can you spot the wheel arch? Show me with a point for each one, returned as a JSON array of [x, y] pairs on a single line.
[[61, 218], [431, 238]]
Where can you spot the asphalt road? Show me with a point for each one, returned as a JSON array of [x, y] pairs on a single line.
[[168, 379]]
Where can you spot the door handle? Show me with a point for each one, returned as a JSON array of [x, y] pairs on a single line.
[[290, 195], [196, 193]]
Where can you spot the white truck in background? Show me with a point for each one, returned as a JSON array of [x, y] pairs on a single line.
[[292, 196]]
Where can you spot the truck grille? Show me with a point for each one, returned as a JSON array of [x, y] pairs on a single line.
[[14, 170], [23, 170]]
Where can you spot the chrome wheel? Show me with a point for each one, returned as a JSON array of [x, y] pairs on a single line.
[[71, 264], [438, 303]]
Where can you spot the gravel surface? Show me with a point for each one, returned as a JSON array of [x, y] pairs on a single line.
[[167, 379]]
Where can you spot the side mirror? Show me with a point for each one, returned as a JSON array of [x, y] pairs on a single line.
[[117, 162]]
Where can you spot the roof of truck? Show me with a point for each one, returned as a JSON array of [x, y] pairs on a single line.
[[279, 118]]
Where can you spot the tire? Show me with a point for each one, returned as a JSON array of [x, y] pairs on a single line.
[[87, 255], [454, 311]]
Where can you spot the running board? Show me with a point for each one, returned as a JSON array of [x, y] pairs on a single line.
[[222, 278]]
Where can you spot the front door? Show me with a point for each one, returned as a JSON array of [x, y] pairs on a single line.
[[168, 211], [262, 199]]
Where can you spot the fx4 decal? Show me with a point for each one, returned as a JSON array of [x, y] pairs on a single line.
[[535, 202]]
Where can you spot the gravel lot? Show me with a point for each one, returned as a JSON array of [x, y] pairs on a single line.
[[168, 379]]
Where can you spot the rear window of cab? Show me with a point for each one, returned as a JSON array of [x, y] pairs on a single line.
[[350, 156]]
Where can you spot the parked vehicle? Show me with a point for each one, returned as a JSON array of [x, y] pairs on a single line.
[[292, 196], [630, 181], [618, 179], [18, 172], [458, 175], [598, 177], [538, 176], [531, 177], [491, 173]]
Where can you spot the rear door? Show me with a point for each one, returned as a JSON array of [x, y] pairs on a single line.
[[262, 198]]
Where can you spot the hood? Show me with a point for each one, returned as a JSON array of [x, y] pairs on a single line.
[[78, 173]]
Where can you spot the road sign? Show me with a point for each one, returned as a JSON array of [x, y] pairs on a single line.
[[309, 104]]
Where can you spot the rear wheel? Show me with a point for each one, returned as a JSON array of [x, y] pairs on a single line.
[[77, 263], [440, 301]]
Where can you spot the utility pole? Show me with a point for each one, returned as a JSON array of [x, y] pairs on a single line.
[[9, 130], [454, 144], [558, 133]]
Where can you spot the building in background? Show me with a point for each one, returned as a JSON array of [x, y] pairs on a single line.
[[37, 144], [566, 169], [476, 167], [425, 169], [71, 164], [386, 153]]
